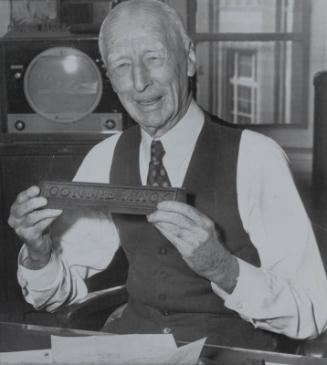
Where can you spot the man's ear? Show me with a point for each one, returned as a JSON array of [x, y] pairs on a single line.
[[191, 58]]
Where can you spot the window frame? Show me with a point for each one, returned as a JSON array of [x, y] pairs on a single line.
[[302, 37]]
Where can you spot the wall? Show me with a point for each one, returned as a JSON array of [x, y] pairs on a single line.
[[4, 16], [298, 142]]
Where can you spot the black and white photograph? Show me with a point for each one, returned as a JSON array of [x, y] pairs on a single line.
[[163, 182]]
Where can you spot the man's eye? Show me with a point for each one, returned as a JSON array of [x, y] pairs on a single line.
[[120, 68], [122, 65], [155, 60]]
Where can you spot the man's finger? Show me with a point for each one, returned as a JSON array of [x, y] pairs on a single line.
[[171, 234], [45, 223], [25, 195], [29, 206], [184, 209], [184, 240], [177, 219], [32, 234], [196, 231], [40, 215]]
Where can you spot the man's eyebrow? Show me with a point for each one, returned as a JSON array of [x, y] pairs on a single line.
[[116, 56], [151, 49]]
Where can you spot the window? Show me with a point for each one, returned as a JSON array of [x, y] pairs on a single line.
[[252, 59], [242, 86]]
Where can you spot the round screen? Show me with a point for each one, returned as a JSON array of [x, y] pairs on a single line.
[[63, 84]]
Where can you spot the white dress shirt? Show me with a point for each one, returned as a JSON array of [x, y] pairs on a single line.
[[287, 294]]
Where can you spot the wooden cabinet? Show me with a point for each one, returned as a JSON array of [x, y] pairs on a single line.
[[22, 165]]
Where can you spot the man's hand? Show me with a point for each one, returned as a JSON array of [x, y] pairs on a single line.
[[195, 237], [30, 223]]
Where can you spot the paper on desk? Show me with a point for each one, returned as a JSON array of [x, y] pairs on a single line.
[[185, 355], [124, 350], [32, 357]]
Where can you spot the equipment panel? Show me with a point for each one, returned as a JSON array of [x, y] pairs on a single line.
[[57, 85]]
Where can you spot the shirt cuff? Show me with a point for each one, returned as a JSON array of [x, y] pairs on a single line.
[[40, 279], [242, 299]]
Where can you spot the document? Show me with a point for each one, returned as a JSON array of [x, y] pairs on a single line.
[[109, 350], [124, 350], [33, 357]]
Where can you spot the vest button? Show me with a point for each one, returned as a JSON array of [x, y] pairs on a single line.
[[163, 251], [162, 297], [167, 330], [165, 312]]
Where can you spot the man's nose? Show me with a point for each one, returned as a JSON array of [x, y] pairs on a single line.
[[141, 77]]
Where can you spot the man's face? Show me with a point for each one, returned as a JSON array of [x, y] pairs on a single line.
[[149, 71]]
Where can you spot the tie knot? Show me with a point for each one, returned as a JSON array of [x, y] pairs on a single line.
[[157, 151]]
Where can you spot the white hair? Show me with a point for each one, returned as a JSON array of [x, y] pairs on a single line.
[[151, 7]]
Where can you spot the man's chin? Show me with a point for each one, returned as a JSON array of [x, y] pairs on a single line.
[[149, 121], [153, 128]]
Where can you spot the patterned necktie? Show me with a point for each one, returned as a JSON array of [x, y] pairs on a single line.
[[157, 175]]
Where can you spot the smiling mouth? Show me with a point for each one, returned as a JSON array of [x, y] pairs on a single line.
[[149, 102]]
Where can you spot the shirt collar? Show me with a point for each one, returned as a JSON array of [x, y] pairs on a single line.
[[179, 141]]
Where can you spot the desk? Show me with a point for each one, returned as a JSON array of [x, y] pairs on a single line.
[[19, 337], [16, 337]]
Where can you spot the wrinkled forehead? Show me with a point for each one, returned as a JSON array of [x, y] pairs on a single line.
[[138, 31], [136, 44]]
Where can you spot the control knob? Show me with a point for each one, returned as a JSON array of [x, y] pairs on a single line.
[[17, 75], [20, 125], [110, 124]]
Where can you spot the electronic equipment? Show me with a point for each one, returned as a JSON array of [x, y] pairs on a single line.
[[56, 83]]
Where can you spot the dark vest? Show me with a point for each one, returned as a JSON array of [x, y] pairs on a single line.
[[164, 291]]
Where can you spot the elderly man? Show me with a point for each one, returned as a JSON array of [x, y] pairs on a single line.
[[240, 266]]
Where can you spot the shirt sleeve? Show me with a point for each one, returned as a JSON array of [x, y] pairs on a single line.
[[84, 243], [287, 294]]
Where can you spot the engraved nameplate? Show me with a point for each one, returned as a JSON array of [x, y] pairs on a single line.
[[117, 199]]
